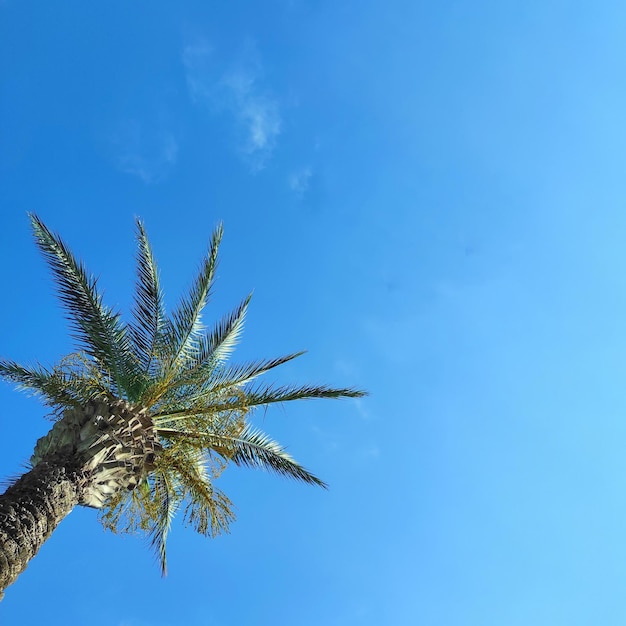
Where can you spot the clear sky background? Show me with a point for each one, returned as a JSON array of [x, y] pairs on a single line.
[[428, 196]]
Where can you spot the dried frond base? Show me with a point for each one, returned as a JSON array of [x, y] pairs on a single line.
[[115, 442]]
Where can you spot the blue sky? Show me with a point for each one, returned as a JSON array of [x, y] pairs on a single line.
[[430, 198]]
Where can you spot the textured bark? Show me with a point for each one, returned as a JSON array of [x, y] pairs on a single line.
[[90, 455], [30, 510], [114, 442]]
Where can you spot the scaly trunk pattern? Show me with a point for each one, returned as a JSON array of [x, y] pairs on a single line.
[[30, 510], [89, 455]]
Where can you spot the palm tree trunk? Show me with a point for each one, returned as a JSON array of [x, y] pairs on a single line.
[[89, 455], [31, 509]]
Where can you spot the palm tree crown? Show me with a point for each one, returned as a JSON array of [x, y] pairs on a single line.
[[152, 408]]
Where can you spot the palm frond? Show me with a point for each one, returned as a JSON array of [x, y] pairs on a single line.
[[222, 382], [249, 448], [185, 326], [263, 395], [130, 511], [232, 377], [99, 329], [149, 509], [168, 500], [250, 398], [149, 310], [217, 346], [64, 385], [200, 369], [208, 510]]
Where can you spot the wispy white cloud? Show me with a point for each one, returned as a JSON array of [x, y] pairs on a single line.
[[240, 93], [145, 150]]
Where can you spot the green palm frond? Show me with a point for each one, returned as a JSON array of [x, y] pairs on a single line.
[[249, 448], [99, 330], [185, 326], [250, 398], [200, 368], [223, 382], [166, 495], [149, 310], [217, 346], [68, 384], [233, 377], [263, 395], [253, 448]]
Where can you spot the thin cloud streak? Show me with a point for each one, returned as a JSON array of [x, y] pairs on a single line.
[[238, 93]]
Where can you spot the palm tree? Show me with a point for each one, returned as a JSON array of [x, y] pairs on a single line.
[[148, 413]]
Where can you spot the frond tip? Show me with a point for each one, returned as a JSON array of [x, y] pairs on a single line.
[[253, 448]]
